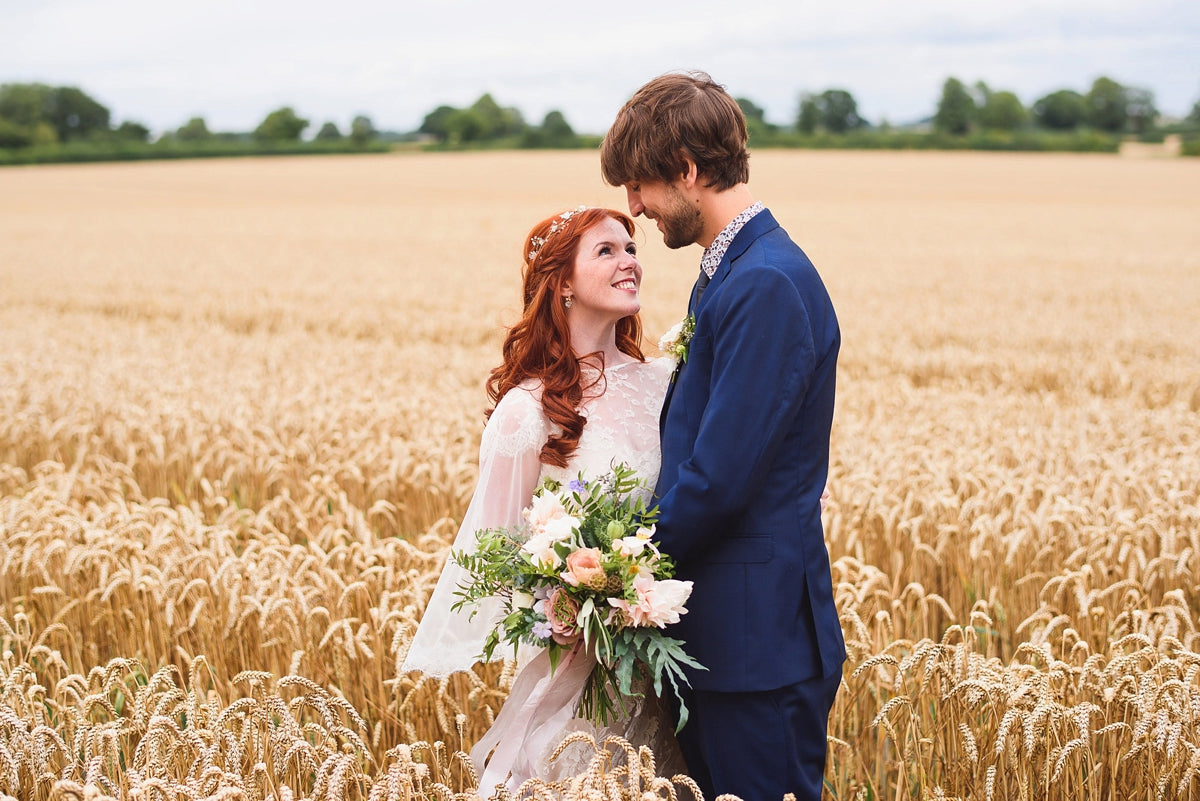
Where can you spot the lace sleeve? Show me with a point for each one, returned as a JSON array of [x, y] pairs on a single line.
[[449, 641]]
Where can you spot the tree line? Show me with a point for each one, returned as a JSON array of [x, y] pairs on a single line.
[[965, 116], [33, 114], [49, 121]]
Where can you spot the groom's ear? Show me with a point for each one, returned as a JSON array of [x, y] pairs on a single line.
[[691, 173]]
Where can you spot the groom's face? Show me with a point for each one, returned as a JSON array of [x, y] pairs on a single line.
[[678, 220]]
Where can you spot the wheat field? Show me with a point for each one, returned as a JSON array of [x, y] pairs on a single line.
[[240, 403]]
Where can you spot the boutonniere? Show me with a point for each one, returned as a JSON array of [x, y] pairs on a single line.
[[675, 342]]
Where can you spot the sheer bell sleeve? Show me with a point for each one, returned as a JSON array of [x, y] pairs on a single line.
[[509, 470]]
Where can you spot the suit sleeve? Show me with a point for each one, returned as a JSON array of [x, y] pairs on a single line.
[[763, 360]]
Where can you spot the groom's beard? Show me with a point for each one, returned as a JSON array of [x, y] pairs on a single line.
[[681, 222]]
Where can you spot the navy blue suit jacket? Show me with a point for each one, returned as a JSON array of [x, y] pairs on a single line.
[[745, 455]]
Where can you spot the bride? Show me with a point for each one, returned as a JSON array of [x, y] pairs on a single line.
[[573, 395]]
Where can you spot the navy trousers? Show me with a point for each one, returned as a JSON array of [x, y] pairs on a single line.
[[759, 745]]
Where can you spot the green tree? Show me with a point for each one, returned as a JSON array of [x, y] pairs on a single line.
[[194, 130], [756, 119], [281, 125], [810, 113], [1002, 111], [467, 125], [956, 109], [1140, 109], [133, 132], [362, 130], [497, 121], [13, 135], [68, 110], [1063, 110], [1105, 103], [24, 104], [556, 130], [329, 133], [437, 123], [75, 115], [839, 111]]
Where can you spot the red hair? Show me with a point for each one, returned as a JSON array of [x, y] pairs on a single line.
[[538, 346]]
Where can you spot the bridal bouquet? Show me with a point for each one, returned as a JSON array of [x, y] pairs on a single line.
[[583, 566]]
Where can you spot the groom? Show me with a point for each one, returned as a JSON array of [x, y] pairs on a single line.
[[745, 448]]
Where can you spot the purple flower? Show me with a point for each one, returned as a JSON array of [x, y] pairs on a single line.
[[542, 630], [576, 485]]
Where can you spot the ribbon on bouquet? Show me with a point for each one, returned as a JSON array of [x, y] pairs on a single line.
[[538, 709]]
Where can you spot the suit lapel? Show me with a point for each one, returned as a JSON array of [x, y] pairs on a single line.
[[757, 226]]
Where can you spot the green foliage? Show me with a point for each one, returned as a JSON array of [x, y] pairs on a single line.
[[956, 109], [362, 130], [194, 130], [1140, 109], [170, 147], [497, 122], [834, 110], [281, 125], [1064, 110], [1105, 104], [437, 123], [329, 133], [810, 114], [13, 135], [132, 132], [1002, 111], [1024, 139], [70, 112], [554, 132]]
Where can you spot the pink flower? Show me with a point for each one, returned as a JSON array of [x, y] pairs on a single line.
[[583, 568], [659, 603], [562, 612]]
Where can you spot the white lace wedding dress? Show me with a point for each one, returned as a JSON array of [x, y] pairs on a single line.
[[622, 408]]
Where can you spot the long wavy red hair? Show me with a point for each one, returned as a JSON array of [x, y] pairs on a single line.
[[538, 346]]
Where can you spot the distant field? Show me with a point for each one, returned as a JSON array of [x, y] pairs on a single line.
[[240, 403]]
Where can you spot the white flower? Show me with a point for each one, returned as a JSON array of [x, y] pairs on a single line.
[[660, 603], [671, 337], [522, 600], [629, 547], [675, 342], [547, 516], [540, 548]]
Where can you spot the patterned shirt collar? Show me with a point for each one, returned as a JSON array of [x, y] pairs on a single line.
[[716, 251]]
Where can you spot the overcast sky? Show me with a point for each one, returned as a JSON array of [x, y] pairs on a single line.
[[232, 61]]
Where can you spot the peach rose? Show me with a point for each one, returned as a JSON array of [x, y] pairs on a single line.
[[562, 612], [583, 568]]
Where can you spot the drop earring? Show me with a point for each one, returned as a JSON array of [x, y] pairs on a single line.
[[568, 302]]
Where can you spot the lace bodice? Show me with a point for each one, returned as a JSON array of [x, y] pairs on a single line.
[[621, 407]]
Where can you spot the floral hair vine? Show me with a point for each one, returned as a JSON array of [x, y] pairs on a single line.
[[560, 222]]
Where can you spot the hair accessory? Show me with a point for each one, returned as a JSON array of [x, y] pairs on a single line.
[[568, 301], [560, 222]]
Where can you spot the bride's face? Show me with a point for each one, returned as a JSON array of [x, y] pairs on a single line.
[[606, 277]]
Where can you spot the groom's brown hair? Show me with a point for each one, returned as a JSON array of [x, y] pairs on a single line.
[[673, 117]]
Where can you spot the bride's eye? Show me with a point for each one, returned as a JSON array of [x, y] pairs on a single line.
[[605, 250]]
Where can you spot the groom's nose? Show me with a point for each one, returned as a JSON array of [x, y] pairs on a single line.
[[634, 198]]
